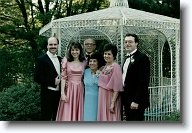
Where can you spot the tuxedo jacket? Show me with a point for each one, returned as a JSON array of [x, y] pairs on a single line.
[[137, 81], [45, 72]]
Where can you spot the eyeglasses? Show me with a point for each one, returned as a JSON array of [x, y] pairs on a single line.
[[89, 44], [129, 42]]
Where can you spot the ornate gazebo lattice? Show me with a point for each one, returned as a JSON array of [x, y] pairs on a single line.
[[154, 30]]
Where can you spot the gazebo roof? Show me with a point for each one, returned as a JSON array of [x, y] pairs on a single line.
[[118, 9], [118, 13]]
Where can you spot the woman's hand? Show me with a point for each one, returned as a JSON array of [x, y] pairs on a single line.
[[64, 97], [112, 107]]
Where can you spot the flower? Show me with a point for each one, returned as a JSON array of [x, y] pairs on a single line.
[[107, 70], [132, 60], [97, 73]]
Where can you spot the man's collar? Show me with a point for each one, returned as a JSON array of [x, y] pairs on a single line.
[[51, 55], [128, 54], [90, 53]]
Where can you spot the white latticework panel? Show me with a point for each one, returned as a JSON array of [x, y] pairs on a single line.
[[161, 101]]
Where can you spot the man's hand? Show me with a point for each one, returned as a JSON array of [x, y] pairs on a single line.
[[57, 80], [134, 105]]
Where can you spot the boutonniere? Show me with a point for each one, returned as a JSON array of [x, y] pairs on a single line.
[[108, 70], [132, 60], [97, 73]]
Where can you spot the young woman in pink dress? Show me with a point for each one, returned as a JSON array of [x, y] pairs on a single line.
[[110, 84], [71, 102]]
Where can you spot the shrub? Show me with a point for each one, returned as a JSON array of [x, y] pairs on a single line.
[[15, 67], [20, 103], [175, 116]]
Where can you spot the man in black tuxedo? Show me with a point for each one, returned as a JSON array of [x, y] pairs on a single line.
[[47, 73], [136, 74], [89, 47]]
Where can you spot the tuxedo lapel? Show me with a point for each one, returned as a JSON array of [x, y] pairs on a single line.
[[59, 58], [132, 60], [130, 63], [50, 63]]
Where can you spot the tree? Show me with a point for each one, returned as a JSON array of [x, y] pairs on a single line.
[[23, 19], [169, 8], [20, 23]]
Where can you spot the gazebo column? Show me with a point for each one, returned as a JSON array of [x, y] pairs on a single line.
[[177, 68], [174, 67], [122, 40], [56, 32]]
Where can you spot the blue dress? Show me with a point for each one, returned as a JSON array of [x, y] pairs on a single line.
[[91, 96]]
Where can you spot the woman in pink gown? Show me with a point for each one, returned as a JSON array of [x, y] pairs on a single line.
[[71, 102], [110, 84]]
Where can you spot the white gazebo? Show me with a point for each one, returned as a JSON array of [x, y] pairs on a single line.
[[154, 31]]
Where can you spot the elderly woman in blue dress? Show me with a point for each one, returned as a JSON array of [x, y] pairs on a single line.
[[90, 80]]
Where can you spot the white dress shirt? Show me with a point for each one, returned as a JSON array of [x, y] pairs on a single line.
[[126, 64], [56, 64]]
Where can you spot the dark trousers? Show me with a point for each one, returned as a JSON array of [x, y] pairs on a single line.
[[49, 104], [134, 114]]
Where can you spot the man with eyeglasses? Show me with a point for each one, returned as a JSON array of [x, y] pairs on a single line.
[[89, 47], [136, 74]]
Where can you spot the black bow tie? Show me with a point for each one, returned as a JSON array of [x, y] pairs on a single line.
[[129, 56], [87, 55]]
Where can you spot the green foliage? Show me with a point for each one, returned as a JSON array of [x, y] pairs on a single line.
[[20, 103], [16, 66], [175, 116], [169, 8], [100, 45], [7, 70]]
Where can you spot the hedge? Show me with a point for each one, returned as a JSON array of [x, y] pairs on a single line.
[[20, 103]]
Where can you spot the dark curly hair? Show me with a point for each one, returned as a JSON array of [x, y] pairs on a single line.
[[99, 58], [111, 47]]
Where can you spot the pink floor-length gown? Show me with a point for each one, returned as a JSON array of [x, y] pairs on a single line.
[[72, 110], [108, 83]]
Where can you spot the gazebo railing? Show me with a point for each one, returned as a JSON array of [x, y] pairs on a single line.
[[162, 99], [160, 81]]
